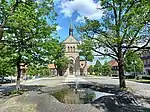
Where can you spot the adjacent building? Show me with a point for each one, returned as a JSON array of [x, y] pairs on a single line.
[[145, 56], [114, 67]]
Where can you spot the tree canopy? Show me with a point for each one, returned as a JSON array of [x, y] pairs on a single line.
[[91, 70], [34, 70], [58, 57], [97, 68], [24, 29], [106, 69], [133, 62], [124, 26]]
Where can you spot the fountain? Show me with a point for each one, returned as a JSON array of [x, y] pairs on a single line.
[[87, 93]]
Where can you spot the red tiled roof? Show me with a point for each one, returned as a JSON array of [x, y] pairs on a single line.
[[113, 63]]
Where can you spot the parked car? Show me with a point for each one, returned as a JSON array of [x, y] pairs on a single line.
[[5, 80]]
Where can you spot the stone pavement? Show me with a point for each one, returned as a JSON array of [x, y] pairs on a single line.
[[72, 78], [140, 89], [50, 104]]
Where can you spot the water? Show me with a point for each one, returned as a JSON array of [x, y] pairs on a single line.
[[80, 96]]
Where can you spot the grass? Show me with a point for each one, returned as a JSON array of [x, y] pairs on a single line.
[[140, 80], [143, 81], [20, 92], [15, 92]]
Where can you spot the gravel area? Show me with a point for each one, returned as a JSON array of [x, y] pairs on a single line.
[[35, 102]]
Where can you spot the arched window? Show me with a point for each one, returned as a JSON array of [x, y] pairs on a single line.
[[68, 49], [71, 61], [71, 48]]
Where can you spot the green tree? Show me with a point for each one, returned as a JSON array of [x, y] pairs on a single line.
[[91, 70], [6, 68], [7, 9], [35, 70], [61, 64], [27, 30], [98, 68], [106, 69], [58, 56], [121, 28], [133, 62], [86, 53], [32, 70]]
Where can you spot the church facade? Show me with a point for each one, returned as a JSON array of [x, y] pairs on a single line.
[[72, 53], [76, 66]]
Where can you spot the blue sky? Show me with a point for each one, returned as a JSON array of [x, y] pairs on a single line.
[[74, 11]]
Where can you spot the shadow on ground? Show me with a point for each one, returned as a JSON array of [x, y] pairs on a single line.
[[5, 91], [108, 88], [121, 101]]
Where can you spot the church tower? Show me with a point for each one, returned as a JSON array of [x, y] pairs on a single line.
[[70, 30], [72, 53]]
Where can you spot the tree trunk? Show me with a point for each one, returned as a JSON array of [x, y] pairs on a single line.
[[121, 73], [18, 73], [1, 32]]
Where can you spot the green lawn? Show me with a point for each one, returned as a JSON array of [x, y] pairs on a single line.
[[140, 81]]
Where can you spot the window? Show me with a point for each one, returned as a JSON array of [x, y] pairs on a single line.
[[73, 48], [68, 49], [71, 61]]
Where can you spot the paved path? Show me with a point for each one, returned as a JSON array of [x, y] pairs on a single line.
[[72, 78], [51, 82], [140, 88]]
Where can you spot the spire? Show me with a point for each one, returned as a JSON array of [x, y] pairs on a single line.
[[71, 29]]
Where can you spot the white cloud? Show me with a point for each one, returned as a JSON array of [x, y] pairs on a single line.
[[80, 19], [58, 28], [85, 8]]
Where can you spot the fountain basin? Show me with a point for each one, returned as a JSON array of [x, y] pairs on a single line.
[[78, 96], [101, 97]]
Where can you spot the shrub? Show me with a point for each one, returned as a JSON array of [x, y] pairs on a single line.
[[146, 77], [130, 77]]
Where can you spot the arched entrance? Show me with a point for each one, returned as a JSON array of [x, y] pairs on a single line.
[[71, 70]]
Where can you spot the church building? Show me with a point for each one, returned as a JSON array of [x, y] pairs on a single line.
[[77, 64]]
